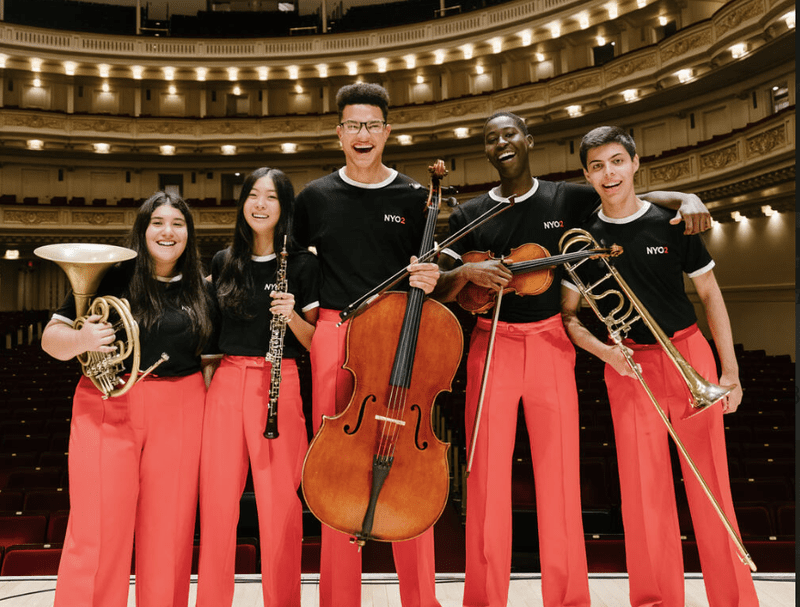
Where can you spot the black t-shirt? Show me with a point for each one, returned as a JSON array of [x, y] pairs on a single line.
[[363, 233], [540, 216], [173, 333], [654, 258], [250, 337]]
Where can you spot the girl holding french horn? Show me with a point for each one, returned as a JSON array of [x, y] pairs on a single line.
[[134, 456], [268, 297]]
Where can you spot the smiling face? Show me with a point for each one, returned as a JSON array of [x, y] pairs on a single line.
[[363, 151], [262, 209], [166, 238], [610, 170], [506, 147]]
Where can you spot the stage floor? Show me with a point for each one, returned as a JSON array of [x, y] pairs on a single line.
[[381, 590]]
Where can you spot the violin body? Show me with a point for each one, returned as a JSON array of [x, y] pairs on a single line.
[[477, 299], [339, 465]]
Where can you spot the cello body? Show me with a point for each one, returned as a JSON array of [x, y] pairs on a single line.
[[338, 473]]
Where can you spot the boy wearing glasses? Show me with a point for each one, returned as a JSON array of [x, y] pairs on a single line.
[[366, 222]]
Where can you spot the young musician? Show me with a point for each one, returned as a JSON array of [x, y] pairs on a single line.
[[134, 458], [533, 360], [350, 217], [245, 275], [656, 256]]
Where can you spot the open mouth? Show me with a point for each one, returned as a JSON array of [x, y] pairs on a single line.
[[166, 243], [609, 186], [259, 216], [506, 156], [363, 149]]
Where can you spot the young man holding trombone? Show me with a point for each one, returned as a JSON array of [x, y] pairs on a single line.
[[661, 374]]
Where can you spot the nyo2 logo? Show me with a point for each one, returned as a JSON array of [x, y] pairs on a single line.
[[657, 250], [388, 218], [558, 223]]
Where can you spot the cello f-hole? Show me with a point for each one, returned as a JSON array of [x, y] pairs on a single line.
[[417, 427], [346, 428]]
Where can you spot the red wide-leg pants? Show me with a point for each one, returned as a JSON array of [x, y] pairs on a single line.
[[133, 468], [649, 513], [340, 561], [534, 362], [233, 437]]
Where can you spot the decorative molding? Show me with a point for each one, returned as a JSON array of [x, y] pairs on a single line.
[[457, 110], [521, 97], [739, 15], [671, 172], [767, 141], [97, 218], [279, 126], [101, 125], [695, 40], [33, 121], [719, 159], [166, 127], [30, 217], [573, 85], [216, 217], [635, 64]]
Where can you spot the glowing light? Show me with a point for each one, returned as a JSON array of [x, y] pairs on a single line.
[[35, 144], [237, 90], [228, 150], [288, 148], [420, 79], [527, 37], [104, 70], [201, 72], [352, 68], [105, 87], [37, 83], [737, 216], [411, 62], [479, 69], [70, 67], [789, 18], [169, 73], [137, 71], [263, 72], [233, 73], [613, 11], [3, 59], [662, 20], [467, 49], [539, 56], [322, 70], [404, 139], [294, 72], [36, 64], [630, 94], [497, 45], [555, 29], [167, 150], [438, 56], [641, 3], [461, 132], [382, 64], [12, 254], [684, 76], [583, 20], [738, 50], [574, 110], [102, 148], [601, 41], [768, 210], [298, 89]]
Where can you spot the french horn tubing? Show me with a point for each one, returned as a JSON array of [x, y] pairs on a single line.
[[618, 322], [85, 265]]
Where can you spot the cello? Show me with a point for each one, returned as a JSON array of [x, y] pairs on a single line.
[[377, 471]]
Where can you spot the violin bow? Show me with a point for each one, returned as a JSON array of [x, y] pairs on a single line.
[[362, 303]]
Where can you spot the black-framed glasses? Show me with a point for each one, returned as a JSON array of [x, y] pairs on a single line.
[[354, 126]]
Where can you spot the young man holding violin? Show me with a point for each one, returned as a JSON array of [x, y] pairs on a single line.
[[366, 222], [656, 256], [533, 360]]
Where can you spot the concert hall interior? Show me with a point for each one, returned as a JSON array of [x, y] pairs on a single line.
[[101, 105]]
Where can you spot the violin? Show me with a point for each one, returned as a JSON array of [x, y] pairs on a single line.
[[532, 268], [377, 470]]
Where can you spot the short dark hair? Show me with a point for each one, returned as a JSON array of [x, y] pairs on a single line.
[[518, 121], [363, 93], [604, 135]]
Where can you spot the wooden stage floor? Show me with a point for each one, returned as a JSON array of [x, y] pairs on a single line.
[[381, 590]]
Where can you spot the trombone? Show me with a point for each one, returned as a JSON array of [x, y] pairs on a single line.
[[618, 323]]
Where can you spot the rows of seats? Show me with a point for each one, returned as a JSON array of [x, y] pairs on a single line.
[[81, 201]]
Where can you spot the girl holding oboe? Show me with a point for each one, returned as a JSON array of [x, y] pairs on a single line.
[[262, 319]]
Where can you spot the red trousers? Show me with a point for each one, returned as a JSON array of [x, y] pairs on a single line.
[[340, 561], [233, 437], [133, 466], [534, 362], [649, 514]]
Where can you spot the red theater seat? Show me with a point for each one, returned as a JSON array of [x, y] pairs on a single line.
[[38, 559]]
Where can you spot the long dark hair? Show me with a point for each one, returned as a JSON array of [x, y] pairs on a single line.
[[145, 298], [235, 284]]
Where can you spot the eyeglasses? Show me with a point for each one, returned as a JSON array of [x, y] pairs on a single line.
[[353, 126]]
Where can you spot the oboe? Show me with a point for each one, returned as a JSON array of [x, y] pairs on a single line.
[[277, 328]]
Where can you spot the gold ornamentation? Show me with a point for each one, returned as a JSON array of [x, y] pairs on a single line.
[[719, 159], [34, 122], [767, 141], [626, 68], [217, 217], [519, 97], [738, 15], [671, 172], [164, 127], [456, 110], [30, 217], [102, 126], [686, 44], [97, 218], [573, 85]]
